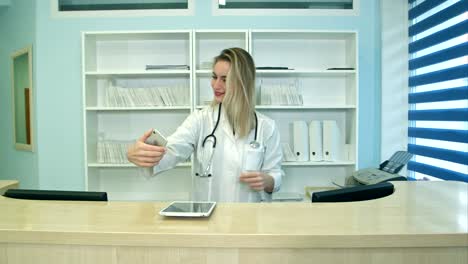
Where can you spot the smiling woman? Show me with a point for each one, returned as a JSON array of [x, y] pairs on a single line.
[[21, 79]]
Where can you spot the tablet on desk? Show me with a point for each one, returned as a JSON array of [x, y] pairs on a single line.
[[188, 209]]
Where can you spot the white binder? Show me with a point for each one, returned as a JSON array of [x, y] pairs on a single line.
[[301, 140], [315, 140], [331, 140]]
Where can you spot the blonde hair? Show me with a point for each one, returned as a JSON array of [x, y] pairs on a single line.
[[239, 100]]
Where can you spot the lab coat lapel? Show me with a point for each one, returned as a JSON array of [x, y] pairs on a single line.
[[227, 130]]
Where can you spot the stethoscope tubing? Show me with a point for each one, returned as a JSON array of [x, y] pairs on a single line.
[[213, 137]]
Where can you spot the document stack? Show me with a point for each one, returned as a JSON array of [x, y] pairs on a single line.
[[114, 152], [280, 93], [167, 67], [134, 94]]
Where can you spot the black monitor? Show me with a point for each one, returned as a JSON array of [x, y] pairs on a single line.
[[354, 194], [55, 195]]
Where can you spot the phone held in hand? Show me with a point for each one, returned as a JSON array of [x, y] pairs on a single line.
[[156, 139]]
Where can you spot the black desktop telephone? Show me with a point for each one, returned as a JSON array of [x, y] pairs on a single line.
[[387, 171]]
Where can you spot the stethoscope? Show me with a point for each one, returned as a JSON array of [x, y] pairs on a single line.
[[211, 139]]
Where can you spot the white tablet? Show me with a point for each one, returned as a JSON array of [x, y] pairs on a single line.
[[188, 209]]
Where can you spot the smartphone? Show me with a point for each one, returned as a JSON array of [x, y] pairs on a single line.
[[156, 139]]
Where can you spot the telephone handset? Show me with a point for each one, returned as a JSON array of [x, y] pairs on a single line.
[[387, 171]]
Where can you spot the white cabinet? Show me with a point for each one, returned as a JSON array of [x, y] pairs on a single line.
[[125, 95]]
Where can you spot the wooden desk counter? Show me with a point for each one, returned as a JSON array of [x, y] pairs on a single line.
[[422, 222], [5, 185]]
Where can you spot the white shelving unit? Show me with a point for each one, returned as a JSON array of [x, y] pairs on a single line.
[[114, 66], [311, 59]]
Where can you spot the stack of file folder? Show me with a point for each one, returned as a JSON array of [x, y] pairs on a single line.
[[176, 95], [114, 152], [282, 93], [167, 67]]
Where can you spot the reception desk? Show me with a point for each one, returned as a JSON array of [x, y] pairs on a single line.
[[5, 185], [422, 222]]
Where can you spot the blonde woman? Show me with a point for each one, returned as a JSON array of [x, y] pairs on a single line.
[[237, 151]]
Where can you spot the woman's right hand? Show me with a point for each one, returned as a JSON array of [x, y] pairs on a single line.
[[145, 155]]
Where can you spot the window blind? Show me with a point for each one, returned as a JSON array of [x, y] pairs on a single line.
[[438, 97]]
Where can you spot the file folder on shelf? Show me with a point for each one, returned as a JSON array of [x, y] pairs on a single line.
[[315, 140], [301, 140], [331, 140]]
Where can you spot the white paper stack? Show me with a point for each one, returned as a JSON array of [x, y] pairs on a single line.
[[282, 93], [167, 67], [114, 152], [141, 95]]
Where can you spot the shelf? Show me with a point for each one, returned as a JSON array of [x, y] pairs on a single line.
[[204, 72], [188, 164], [292, 72], [137, 73], [317, 163], [127, 165], [306, 72], [304, 107], [296, 107], [97, 108]]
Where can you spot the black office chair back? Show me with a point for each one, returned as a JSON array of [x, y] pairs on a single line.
[[354, 194], [55, 195]]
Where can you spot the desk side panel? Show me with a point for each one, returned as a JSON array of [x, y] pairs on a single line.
[[52, 254]]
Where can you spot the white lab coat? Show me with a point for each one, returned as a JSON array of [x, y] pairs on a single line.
[[224, 184]]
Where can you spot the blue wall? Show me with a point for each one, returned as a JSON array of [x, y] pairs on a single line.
[[58, 78], [17, 31]]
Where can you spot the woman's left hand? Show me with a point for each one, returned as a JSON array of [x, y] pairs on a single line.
[[258, 180]]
